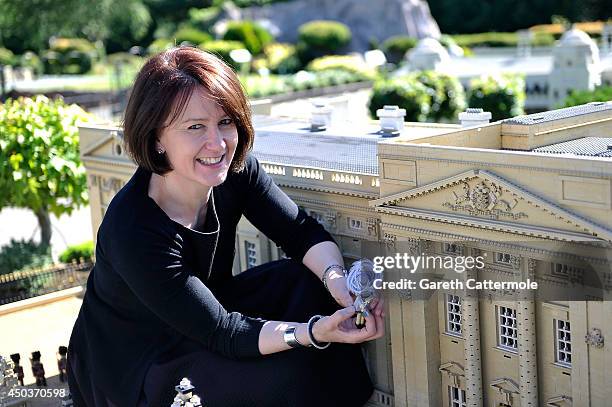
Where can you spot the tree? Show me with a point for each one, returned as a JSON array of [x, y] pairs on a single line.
[[40, 150], [28, 24]]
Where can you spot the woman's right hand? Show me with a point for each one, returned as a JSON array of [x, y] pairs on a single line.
[[340, 326]]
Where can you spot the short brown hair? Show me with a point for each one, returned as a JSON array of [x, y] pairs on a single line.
[[161, 90]]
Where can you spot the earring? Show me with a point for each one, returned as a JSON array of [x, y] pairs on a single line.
[[160, 151]]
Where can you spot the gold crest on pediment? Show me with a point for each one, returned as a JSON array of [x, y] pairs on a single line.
[[483, 198]]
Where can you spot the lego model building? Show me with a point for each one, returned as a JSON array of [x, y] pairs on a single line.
[[530, 195]]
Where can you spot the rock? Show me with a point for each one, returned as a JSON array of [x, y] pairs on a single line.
[[367, 20]]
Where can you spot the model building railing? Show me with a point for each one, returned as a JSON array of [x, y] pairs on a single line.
[[21, 285]]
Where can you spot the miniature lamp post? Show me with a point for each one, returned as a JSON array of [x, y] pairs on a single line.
[[391, 120]]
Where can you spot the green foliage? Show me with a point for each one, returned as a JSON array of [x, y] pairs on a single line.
[[128, 25], [510, 15], [23, 254], [348, 63], [190, 35], [29, 24], [447, 96], [69, 56], [404, 92], [31, 60], [262, 86], [252, 35], [251, 3], [503, 96], [581, 97], [159, 45], [321, 37], [40, 148], [396, 47], [6, 57], [83, 251], [223, 49], [204, 18], [281, 58], [500, 39]]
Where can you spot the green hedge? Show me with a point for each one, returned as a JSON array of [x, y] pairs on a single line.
[[500, 39], [282, 58], [404, 92], [581, 97], [396, 47], [348, 63], [321, 37], [6, 57], [223, 49], [447, 96], [83, 251], [262, 86], [426, 96], [503, 96], [252, 35], [23, 254], [190, 36], [69, 56], [32, 61]]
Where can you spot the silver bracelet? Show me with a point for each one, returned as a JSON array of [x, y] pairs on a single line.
[[330, 268], [291, 339], [313, 341]]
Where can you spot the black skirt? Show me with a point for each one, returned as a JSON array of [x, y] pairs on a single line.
[[285, 291]]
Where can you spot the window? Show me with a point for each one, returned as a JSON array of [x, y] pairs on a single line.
[[571, 273], [456, 397], [318, 216], [354, 224], [451, 248], [250, 250], [507, 332], [563, 343], [503, 258], [453, 314]]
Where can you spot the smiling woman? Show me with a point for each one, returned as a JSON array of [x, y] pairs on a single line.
[[161, 301]]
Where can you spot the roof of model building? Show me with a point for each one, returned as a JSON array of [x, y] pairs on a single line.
[[347, 147], [565, 113], [588, 146]]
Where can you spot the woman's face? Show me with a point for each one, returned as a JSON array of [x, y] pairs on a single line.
[[201, 142]]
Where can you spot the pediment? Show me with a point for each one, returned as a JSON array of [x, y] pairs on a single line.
[[105, 145], [482, 199], [452, 368], [505, 384]]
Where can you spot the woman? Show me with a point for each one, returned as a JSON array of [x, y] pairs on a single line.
[[161, 301]]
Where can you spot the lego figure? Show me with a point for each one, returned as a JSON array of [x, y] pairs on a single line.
[[38, 369], [62, 363], [184, 395], [18, 369]]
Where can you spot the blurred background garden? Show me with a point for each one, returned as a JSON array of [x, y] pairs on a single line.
[[67, 61]]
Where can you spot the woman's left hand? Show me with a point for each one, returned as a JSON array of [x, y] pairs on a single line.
[[337, 288]]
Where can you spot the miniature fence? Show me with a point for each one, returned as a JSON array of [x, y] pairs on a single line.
[[21, 285]]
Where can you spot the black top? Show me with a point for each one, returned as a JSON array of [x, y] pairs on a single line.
[[147, 290]]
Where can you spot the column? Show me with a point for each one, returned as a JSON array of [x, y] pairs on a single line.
[[528, 361], [470, 311]]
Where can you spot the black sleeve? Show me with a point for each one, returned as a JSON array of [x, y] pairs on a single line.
[[152, 264], [271, 211]]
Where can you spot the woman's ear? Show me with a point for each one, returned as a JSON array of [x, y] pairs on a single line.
[[159, 148]]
